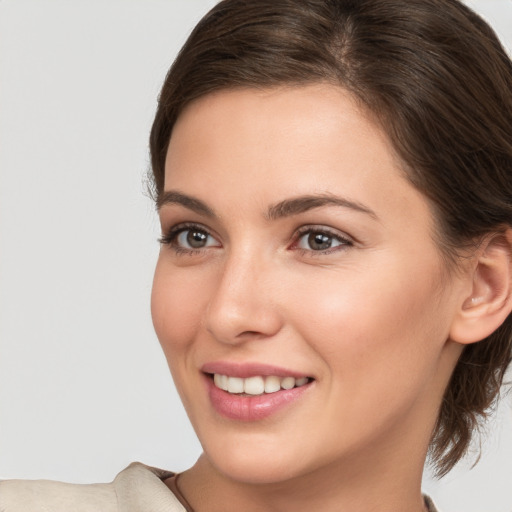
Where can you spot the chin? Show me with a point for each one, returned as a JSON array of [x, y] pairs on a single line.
[[255, 463], [261, 472]]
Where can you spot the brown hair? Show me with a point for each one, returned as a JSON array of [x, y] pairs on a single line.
[[439, 82]]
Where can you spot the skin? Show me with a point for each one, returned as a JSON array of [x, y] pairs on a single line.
[[369, 319]]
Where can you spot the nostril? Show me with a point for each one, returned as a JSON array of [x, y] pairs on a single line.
[[249, 333]]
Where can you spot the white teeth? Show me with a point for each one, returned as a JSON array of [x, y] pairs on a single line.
[[221, 381], [256, 385], [272, 384], [301, 381], [288, 383], [235, 385]]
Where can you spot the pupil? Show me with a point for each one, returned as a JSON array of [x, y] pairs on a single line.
[[196, 239], [319, 241]]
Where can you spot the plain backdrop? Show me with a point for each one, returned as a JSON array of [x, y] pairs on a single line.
[[84, 388]]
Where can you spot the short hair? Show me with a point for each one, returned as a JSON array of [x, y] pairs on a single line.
[[438, 81]]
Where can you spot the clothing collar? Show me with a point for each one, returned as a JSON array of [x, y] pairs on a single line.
[[140, 487]]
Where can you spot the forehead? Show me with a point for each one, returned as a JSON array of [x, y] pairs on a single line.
[[299, 116], [320, 101], [279, 133]]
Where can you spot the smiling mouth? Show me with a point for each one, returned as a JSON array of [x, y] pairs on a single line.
[[257, 385]]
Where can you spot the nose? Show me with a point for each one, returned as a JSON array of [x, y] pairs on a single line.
[[245, 305]]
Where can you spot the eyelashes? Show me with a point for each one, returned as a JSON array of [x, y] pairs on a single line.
[[189, 238], [320, 240], [193, 238]]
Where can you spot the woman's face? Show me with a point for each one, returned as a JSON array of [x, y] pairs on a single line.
[[294, 247]]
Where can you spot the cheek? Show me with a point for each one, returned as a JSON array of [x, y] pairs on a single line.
[[176, 306], [382, 320], [380, 341]]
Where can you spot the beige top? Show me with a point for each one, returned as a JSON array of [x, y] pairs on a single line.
[[137, 488]]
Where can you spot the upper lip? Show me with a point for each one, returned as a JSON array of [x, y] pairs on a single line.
[[244, 370]]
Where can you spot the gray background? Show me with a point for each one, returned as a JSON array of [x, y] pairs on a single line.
[[84, 388]]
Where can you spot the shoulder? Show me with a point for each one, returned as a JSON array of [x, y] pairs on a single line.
[[48, 496], [136, 488]]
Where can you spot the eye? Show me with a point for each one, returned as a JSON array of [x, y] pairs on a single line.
[[194, 239], [320, 240], [189, 238]]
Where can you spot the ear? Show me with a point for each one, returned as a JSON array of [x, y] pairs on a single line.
[[489, 302]]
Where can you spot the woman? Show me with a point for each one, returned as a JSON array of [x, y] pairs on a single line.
[[333, 288]]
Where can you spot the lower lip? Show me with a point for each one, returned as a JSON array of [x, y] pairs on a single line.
[[252, 408]]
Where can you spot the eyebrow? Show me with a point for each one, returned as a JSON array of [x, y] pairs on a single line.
[[285, 208], [302, 204], [192, 203]]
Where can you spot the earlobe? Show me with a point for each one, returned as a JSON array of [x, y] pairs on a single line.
[[490, 300]]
